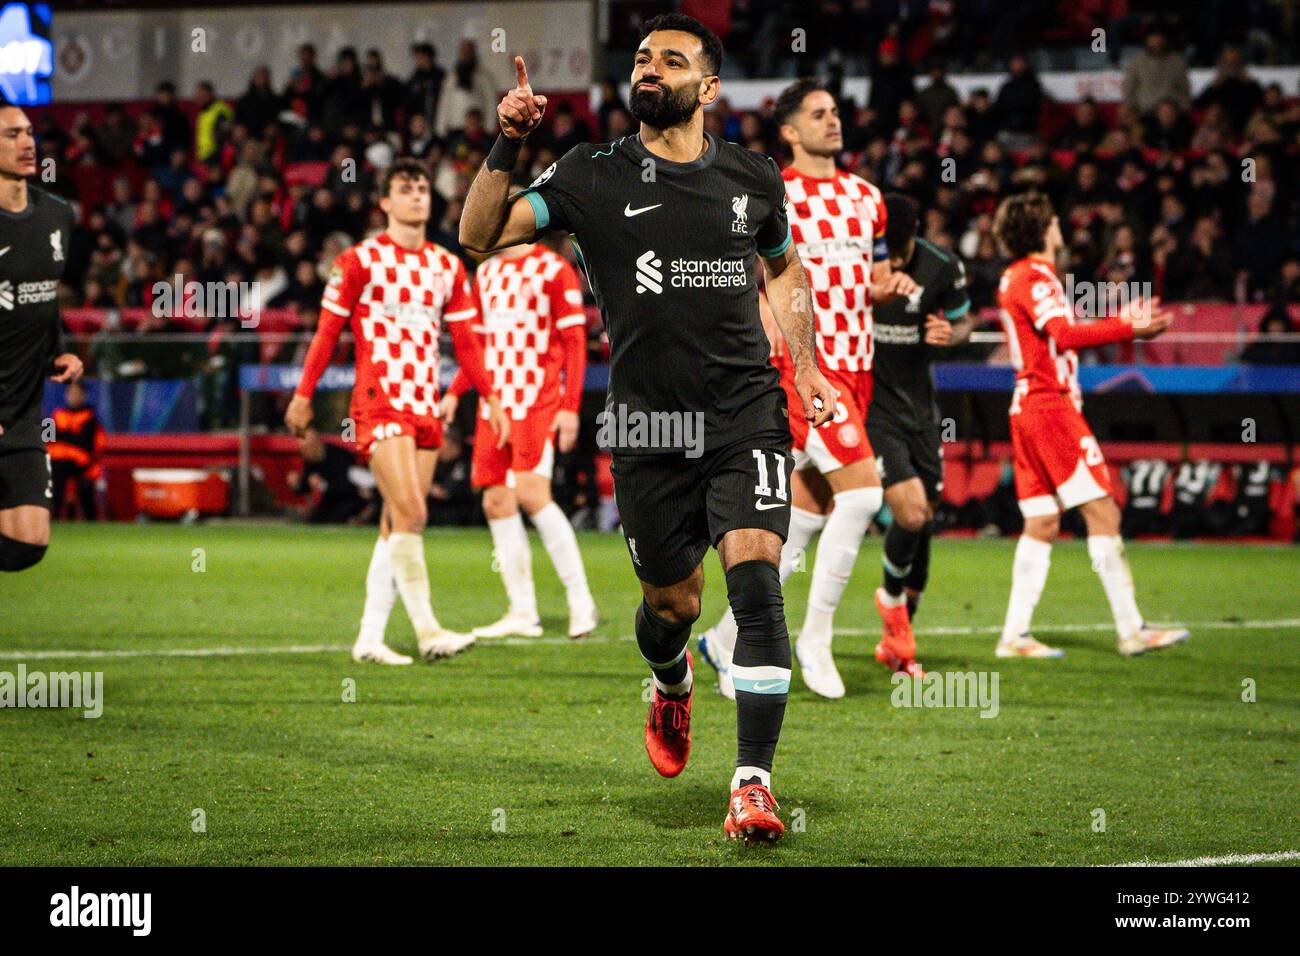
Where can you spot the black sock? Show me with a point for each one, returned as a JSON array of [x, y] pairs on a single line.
[[662, 644], [899, 553], [920, 573], [754, 591]]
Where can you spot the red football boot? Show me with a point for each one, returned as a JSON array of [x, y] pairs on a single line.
[[668, 730], [751, 816], [897, 648]]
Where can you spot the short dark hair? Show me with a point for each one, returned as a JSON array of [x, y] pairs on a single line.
[[404, 168], [1021, 222], [902, 214], [791, 99], [709, 41]]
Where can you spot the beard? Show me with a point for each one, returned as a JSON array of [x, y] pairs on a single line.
[[663, 108]]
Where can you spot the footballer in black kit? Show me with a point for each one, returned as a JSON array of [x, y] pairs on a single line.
[[669, 225], [903, 426], [35, 232], [674, 279]]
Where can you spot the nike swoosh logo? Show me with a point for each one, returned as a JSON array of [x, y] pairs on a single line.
[[4, 250], [768, 505], [766, 686], [630, 212]]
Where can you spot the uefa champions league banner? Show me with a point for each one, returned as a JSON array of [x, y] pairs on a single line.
[[1147, 379], [124, 55]]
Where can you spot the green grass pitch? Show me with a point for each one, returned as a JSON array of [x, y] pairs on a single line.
[[531, 752]]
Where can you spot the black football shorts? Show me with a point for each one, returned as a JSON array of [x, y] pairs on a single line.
[[907, 453], [24, 466], [673, 507]]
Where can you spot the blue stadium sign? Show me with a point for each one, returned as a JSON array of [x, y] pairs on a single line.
[[26, 53]]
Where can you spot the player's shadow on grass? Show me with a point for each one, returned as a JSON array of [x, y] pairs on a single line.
[[677, 804]]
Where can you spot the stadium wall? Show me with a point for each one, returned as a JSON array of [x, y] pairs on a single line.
[[123, 55]]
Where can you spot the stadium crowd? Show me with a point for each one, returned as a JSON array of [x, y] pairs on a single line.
[[271, 185]]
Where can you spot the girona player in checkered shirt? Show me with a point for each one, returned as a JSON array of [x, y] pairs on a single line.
[[837, 221], [395, 291], [1058, 463], [534, 334]]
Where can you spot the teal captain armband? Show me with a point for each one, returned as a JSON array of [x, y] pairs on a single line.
[[777, 250]]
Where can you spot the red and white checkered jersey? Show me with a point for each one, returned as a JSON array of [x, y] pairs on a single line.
[[526, 302], [838, 226], [396, 300], [1029, 296]]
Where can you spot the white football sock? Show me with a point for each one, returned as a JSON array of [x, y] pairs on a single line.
[[837, 552], [514, 558], [381, 595], [406, 551], [675, 690], [747, 773], [1028, 575], [803, 525], [562, 545], [1111, 565]]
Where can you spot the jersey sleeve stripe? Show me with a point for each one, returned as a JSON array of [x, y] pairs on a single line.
[[460, 316], [1047, 316], [958, 312], [772, 253], [541, 212], [336, 309], [577, 318]]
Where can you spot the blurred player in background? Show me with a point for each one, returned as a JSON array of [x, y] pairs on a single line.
[[904, 420], [1058, 463], [534, 335], [838, 223], [395, 291], [35, 232]]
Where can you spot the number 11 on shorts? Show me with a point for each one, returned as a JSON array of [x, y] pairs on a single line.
[[763, 489]]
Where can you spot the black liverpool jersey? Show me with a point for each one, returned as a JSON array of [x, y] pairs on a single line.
[[903, 389], [33, 246], [670, 250]]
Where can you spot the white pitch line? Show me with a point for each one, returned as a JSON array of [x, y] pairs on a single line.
[[179, 652], [1285, 624], [1232, 859], [227, 651]]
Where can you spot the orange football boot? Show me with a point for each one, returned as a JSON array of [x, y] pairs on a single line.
[[751, 816], [668, 730], [897, 648]]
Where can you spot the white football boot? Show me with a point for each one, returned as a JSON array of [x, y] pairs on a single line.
[[583, 619], [1150, 638], [373, 652], [513, 624], [719, 658], [817, 667], [1027, 646], [443, 643]]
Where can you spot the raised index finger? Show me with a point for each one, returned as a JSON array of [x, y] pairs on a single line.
[[521, 73]]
